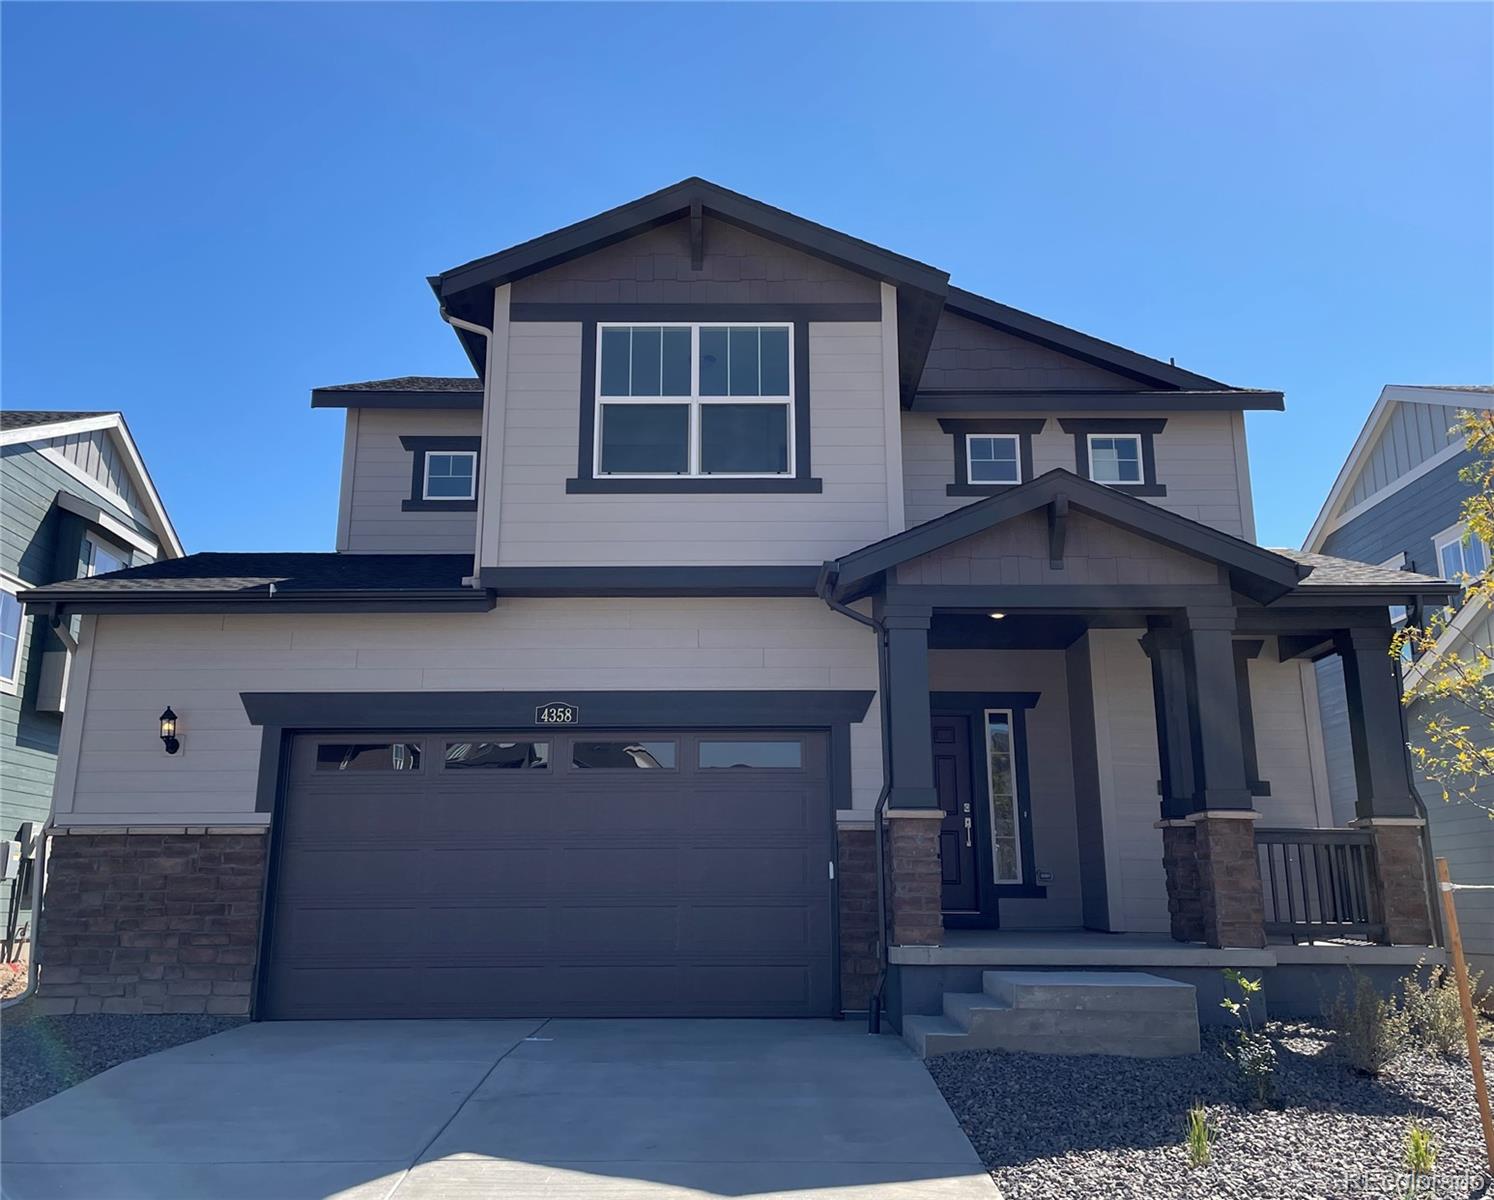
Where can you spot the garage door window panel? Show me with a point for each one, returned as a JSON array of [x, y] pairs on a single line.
[[624, 755], [368, 756], [768, 755], [497, 756]]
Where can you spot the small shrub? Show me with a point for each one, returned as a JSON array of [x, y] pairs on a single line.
[[1419, 1152], [1369, 1029], [1433, 1011], [1251, 1051], [1200, 1136]]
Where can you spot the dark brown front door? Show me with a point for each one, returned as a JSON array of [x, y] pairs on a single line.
[[957, 835]]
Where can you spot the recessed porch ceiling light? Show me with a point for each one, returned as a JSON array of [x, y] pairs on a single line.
[[998, 616]]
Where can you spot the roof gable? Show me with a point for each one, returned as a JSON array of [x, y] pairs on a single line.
[[97, 448], [1407, 434], [1260, 574]]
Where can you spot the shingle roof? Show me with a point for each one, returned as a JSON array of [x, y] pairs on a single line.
[[25, 418], [1452, 387], [249, 576], [1328, 571], [411, 383]]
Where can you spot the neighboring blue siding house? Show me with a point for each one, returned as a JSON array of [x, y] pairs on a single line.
[[1398, 502], [75, 500]]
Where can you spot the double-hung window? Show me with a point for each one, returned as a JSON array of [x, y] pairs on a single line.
[[1460, 554], [694, 401]]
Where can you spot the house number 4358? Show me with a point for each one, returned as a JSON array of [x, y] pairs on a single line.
[[557, 714]]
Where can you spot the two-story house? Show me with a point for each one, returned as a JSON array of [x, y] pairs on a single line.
[[1398, 500], [75, 501], [767, 628]]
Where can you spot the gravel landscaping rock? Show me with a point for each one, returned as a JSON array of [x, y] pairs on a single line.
[[1049, 1126], [42, 1055]]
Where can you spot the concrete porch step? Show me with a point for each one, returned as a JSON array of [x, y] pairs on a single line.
[[1063, 1012]]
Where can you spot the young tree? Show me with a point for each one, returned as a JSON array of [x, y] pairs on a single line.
[[1452, 734]]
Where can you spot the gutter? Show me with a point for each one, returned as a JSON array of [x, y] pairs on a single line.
[[484, 332], [825, 589]]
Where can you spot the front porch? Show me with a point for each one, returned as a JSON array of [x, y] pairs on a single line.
[[1101, 743]]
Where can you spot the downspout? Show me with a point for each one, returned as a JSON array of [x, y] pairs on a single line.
[[825, 589], [39, 863], [486, 334]]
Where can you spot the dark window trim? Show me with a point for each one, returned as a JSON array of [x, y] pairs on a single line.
[[419, 447], [960, 430], [1144, 428], [973, 705], [1245, 650], [588, 483], [648, 314]]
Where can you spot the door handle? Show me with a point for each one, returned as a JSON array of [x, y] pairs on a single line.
[[968, 842]]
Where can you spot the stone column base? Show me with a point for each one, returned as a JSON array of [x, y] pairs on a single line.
[[1180, 862], [856, 873], [915, 882], [151, 922], [1229, 879], [1400, 867]]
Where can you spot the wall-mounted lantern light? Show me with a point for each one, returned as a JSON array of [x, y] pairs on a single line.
[[168, 732]]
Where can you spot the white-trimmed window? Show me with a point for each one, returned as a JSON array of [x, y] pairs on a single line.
[[694, 401], [450, 475], [1115, 458], [1001, 782], [1399, 613], [12, 622], [993, 458], [100, 557], [1460, 554]]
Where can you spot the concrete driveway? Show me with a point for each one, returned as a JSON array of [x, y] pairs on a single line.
[[420, 1110]]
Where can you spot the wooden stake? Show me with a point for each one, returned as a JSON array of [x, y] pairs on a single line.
[[1465, 997]]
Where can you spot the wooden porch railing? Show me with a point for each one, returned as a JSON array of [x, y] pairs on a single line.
[[1319, 883]]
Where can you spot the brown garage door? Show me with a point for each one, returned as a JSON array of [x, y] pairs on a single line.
[[642, 873]]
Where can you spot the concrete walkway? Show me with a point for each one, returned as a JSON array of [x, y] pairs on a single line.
[[456, 1110]]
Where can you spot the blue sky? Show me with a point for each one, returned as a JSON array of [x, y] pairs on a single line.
[[210, 209]]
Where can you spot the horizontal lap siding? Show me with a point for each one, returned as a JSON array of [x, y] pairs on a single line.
[[200, 665], [1406, 522], [1126, 745], [381, 469], [1282, 751], [1196, 460], [542, 525]]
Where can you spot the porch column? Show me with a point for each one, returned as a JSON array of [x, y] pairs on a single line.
[[1384, 802], [1230, 904], [1163, 645], [908, 707]]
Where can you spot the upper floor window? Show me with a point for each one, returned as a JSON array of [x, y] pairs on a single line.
[[450, 475], [694, 401], [1119, 452], [990, 455], [1115, 457], [10, 634], [1460, 554], [993, 458], [99, 558]]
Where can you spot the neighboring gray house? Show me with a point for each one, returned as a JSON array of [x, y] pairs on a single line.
[[1398, 501], [75, 501], [747, 540]]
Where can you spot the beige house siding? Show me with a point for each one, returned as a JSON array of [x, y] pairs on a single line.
[[1197, 459], [133, 665], [376, 484], [542, 525]]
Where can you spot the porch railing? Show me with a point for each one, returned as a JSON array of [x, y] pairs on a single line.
[[1319, 883]]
